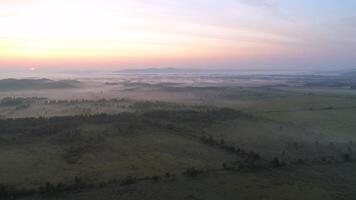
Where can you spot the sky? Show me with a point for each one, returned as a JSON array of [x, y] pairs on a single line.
[[238, 34]]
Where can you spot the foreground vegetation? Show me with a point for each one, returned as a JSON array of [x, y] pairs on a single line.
[[47, 156]]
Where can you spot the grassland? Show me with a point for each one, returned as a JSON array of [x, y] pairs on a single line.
[[277, 139]]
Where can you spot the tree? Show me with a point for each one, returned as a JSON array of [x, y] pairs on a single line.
[[192, 172], [347, 157], [276, 163], [129, 180], [3, 191]]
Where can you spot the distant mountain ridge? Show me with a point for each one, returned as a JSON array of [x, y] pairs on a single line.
[[205, 71], [159, 70]]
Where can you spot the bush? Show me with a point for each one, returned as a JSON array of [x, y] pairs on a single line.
[[277, 163], [299, 162], [347, 157], [228, 167], [47, 188], [129, 180], [192, 172], [254, 156], [3, 191], [156, 178]]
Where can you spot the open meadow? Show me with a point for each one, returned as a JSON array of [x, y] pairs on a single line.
[[140, 136]]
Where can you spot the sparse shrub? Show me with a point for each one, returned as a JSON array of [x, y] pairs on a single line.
[[277, 163], [224, 166], [3, 191], [47, 188], [227, 166], [60, 187], [241, 166], [129, 180], [347, 157], [156, 178], [349, 149], [192, 172], [170, 127], [211, 140], [253, 156], [252, 165], [229, 148], [78, 182], [299, 162]]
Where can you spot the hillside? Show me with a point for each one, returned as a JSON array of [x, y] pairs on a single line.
[[36, 84]]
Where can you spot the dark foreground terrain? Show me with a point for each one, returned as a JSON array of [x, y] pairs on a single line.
[[164, 154], [178, 137]]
